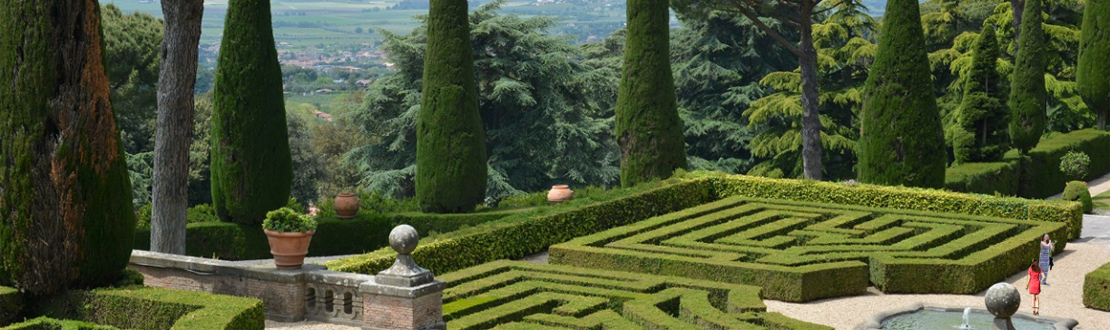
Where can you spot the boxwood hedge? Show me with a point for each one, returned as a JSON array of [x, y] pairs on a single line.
[[45, 323], [1036, 175], [801, 251], [366, 232], [524, 295], [160, 309], [11, 303], [1096, 288], [532, 231]]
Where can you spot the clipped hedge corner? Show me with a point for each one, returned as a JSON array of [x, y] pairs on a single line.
[[161, 309], [1096, 288], [11, 303]]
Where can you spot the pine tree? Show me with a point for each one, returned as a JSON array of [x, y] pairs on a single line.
[[980, 135], [649, 130], [1093, 74], [901, 140], [1027, 90], [65, 197], [450, 140], [251, 168]]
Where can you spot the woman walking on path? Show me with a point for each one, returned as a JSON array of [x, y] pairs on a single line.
[[1034, 286], [1046, 257]]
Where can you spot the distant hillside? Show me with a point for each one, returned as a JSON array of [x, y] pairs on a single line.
[[875, 7]]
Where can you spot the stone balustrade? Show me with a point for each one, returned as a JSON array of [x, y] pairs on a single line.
[[404, 297]]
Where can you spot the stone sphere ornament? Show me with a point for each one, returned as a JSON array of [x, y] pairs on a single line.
[[1003, 300], [404, 239]]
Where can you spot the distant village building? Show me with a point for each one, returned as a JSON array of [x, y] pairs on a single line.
[[362, 83], [322, 115]]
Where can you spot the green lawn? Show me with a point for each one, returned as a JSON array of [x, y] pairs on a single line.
[[1102, 201]]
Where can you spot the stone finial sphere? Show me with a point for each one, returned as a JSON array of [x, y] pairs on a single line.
[[403, 239], [1003, 300]]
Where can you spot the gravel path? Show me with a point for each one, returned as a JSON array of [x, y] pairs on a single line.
[[1062, 298], [307, 325]]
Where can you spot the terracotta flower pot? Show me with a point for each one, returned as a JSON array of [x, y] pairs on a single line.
[[346, 206], [560, 193], [289, 249]]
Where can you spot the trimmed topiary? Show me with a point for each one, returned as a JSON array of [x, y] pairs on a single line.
[[252, 170], [1027, 93], [1077, 191], [1093, 73], [901, 141], [980, 135], [649, 130], [1075, 164], [66, 217], [450, 140]]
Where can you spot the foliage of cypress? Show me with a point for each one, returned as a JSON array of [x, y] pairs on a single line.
[[450, 140], [980, 135], [251, 168], [65, 196], [1093, 74], [901, 140], [649, 130], [1027, 93]]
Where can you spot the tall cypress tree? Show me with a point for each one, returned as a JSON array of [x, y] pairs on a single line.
[[981, 133], [450, 141], [252, 171], [901, 141], [1027, 93], [66, 216], [1093, 73], [649, 130]]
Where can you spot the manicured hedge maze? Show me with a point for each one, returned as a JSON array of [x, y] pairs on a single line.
[[521, 295], [799, 251]]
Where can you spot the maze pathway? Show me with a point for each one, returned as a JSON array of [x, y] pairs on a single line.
[[799, 251], [522, 295]]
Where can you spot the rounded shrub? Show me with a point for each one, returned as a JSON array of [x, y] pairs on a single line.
[[286, 220], [251, 167], [450, 140], [1027, 91], [66, 213], [649, 130], [902, 139], [1074, 164], [1077, 191]]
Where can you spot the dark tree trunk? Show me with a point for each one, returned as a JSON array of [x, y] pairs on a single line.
[[175, 124], [812, 150]]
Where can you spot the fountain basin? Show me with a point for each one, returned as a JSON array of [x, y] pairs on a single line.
[[920, 317]]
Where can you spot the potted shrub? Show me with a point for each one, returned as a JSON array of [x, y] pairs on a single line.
[[289, 234]]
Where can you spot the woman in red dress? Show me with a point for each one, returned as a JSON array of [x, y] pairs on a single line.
[[1034, 286]]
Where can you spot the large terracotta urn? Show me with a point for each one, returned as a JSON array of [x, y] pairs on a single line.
[[346, 206], [289, 249], [560, 193]]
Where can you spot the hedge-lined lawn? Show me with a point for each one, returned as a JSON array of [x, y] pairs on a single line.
[[802, 251], [1102, 201], [521, 295]]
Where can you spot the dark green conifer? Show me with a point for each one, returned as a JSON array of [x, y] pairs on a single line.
[[980, 135], [1027, 92], [1093, 75], [901, 140], [252, 171], [66, 217], [649, 130], [450, 140]]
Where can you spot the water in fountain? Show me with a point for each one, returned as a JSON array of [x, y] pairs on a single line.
[[929, 319], [966, 326]]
